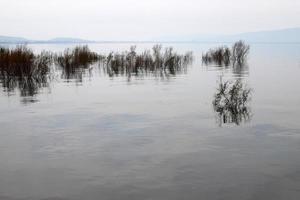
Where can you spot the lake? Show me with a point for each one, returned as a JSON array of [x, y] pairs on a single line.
[[154, 136]]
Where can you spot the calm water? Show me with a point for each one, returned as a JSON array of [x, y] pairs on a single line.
[[154, 137]]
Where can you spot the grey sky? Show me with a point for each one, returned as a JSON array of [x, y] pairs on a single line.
[[143, 19]]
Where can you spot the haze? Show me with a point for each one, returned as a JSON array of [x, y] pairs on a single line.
[[143, 19]]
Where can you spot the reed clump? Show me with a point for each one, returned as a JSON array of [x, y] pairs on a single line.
[[220, 56], [74, 61], [20, 67], [240, 51], [231, 102], [22, 62], [80, 56], [237, 55], [130, 62]]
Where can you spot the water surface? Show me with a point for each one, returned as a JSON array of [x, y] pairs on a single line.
[[92, 136]]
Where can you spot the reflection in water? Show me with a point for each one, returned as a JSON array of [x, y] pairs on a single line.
[[240, 70], [231, 102], [76, 73], [28, 86], [235, 71], [157, 63]]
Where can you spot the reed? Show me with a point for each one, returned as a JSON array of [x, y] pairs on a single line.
[[20, 67], [240, 51], [80, 56], [22, 62], [130, 62], [221, 56], [231, 102], [74, 61]]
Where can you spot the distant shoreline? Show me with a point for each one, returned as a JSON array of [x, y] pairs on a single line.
[[145, 42]]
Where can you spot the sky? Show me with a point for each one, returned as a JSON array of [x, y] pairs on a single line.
[[143, 19]]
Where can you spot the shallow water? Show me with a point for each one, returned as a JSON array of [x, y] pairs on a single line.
[[154, 137]]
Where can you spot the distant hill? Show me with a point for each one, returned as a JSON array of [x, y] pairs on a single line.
[[20, 40], [291, 35], [68, 40], [7, 39]]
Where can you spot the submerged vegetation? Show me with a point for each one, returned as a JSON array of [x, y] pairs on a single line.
[[237, 55], [231, 102]]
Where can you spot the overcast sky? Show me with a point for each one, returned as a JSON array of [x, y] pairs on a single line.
[[143, 19]]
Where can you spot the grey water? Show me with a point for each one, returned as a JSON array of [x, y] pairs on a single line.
[[94, 136]]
